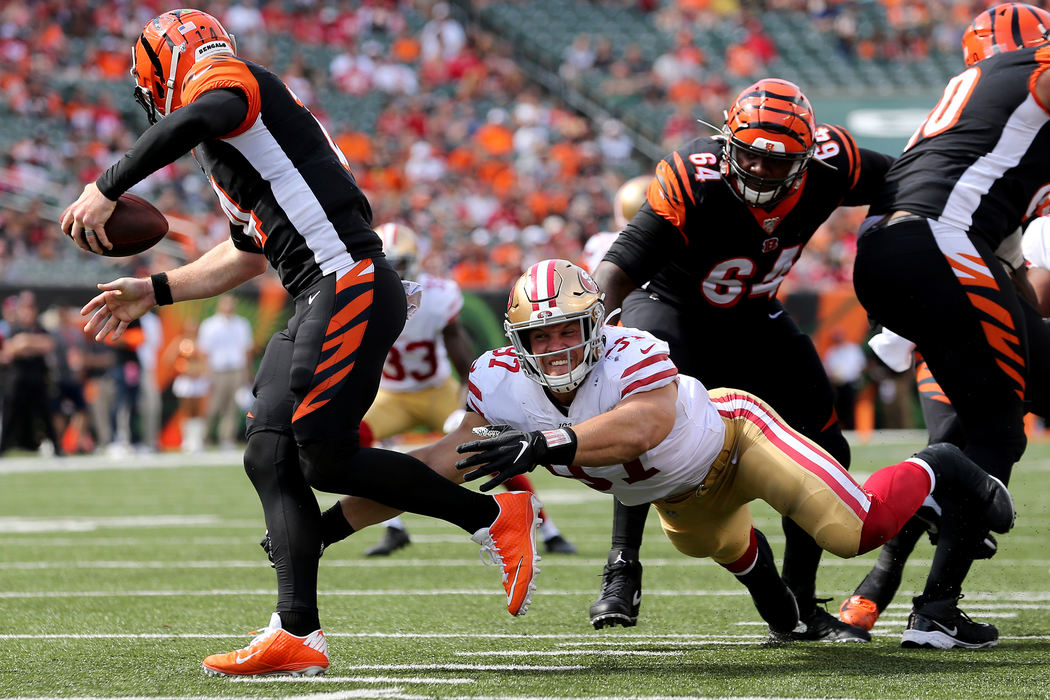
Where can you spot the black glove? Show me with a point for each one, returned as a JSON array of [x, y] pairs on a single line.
[[506, 453]]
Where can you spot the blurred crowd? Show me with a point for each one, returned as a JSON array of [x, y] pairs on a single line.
[[463, 147], [155, 388], [443, 128]]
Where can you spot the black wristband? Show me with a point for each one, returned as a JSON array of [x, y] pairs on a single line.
[[161, 290], [561, 446]]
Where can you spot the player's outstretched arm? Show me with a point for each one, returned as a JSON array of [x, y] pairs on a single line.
[[122, 301]]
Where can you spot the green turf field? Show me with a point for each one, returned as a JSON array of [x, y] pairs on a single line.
[[117, 582]]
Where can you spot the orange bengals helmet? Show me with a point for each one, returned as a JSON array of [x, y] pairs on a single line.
[[772, 120], [166, 50], [1003, 28]]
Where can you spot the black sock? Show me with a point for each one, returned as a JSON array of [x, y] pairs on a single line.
[[628, 526], [334, 525], [299, 623]]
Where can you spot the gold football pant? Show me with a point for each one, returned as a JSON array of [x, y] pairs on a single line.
[[764, 458], [395, 412]]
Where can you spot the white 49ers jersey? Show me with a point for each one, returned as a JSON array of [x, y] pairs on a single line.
[[632, 361], [419, 360]]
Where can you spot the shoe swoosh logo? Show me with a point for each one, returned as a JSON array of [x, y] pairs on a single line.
[[524, 446], [950, 630], [242, 659], [514, 583], [776, 314], [637, 598]]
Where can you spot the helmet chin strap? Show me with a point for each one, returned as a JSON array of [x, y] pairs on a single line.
[[170, 84]]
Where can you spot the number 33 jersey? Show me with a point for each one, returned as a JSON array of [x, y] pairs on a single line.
[[418, 359], [632, 362], [701, 247]]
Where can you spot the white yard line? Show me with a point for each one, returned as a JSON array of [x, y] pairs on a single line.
[[971, 598]]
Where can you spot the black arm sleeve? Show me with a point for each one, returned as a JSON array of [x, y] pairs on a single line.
[[873, 168], [212, 115], [646, 245]]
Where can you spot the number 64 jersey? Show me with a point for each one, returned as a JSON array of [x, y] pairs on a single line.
[[632, 362]]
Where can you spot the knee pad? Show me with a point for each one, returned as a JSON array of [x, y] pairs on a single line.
[[322, 460]]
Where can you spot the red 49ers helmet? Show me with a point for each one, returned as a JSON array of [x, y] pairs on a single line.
[[166, 50], [552, 292], [1003, 28], [773, 120]]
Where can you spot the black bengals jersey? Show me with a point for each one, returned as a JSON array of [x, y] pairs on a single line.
[[284, 185], [698, 245], [980, 159]]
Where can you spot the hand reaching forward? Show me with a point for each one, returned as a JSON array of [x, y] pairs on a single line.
[[506, 453], [121, 302]]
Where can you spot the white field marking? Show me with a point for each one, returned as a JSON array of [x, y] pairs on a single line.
[[379, 564], [590, 652], [89, 524], [351, 679], [1019, 596], [84, 463], [467, 667], [338, 695], [641, 638]]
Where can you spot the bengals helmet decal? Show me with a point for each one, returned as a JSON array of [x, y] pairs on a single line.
[[401, 246], [1003, 28], [629, 199], [549, 293], [771, 120], [165, 51]]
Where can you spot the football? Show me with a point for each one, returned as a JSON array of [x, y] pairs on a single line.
[[134, 226]]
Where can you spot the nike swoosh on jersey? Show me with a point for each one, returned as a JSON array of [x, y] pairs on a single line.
[[646, 351], [310, 299], [776, 314]]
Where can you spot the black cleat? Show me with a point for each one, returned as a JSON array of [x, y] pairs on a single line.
[[963, 487], [942, 625], [394, 538], [621, 594], [558, 545], [821, 626]]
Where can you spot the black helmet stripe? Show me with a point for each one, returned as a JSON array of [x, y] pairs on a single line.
[[151, 55], [1015, 27]]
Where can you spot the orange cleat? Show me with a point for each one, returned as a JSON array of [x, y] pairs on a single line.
[[510, 542], [274, 650], [859, 612]]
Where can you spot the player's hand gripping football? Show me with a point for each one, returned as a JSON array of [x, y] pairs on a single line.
[[121, 302], [505, 452], [85, 220]]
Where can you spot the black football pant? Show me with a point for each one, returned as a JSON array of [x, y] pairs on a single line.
[[329, 360], [952, 297], [762, 351]]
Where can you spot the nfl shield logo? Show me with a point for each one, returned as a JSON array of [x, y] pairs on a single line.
[[771, 223]]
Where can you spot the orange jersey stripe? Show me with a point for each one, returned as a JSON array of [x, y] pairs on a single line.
[[347, 343], [349, 312]]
